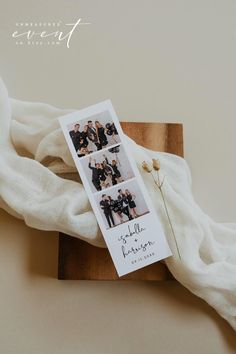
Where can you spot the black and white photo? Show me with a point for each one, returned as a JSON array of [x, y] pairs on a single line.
[[93, 133], [121, 204], [107, 168]]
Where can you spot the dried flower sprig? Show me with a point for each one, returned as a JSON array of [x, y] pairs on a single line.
[[146, 167], [156, 167]]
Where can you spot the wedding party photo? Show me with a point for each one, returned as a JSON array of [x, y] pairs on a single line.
[[93, 133], [107, 168], [121, 204]]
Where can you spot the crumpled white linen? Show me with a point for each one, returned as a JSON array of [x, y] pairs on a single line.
[[30, 133]]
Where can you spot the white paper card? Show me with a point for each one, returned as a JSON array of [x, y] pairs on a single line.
[[118, 196]]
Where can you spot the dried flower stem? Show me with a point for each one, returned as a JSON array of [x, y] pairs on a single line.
[[159, 185]]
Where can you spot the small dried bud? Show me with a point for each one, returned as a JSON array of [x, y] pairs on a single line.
[[156, 164], [146, 167]]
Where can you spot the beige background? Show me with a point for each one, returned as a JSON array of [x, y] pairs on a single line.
[[167, 61]]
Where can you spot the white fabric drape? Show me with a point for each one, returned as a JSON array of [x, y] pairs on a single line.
[[30, 133]]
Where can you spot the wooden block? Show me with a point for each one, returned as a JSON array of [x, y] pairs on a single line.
[[79, 260]]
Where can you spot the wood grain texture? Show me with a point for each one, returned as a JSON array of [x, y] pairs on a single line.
[[79, 260]]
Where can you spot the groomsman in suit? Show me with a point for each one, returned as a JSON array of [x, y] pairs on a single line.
[[106, 207], [123, 203], [92, 135], [95, 174], [75, 135]]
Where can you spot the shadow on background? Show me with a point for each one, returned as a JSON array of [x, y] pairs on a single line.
[[43, 254], [182, 299], [35, 250]]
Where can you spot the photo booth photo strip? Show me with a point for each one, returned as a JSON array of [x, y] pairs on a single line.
[[93, 133], [121, 203], [107, 168]]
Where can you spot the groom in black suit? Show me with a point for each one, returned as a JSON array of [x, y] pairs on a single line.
[[106, 207], [95, 174], [75, 135]]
